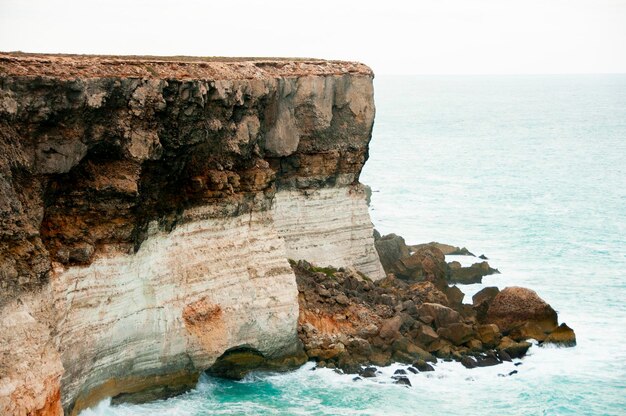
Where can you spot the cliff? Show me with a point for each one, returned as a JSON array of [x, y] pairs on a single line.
[[148, 207]]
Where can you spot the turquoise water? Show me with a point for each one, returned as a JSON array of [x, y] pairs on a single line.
[[531, 171]]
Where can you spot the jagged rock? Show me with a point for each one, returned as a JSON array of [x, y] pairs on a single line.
[[426, 335], [442, 315], [455, 295], [426, 263], [390, 328], [529, 330], [487, 362], [409, 352], [516, 306], [399, 371], [458, 333], [482, 299], [427, 292], [472, 274], [485, 295], [402, 380], [446, 249], [391, 248], [563, 336], [413, 370], [488, 334], [368, 372], [514, 349], [422, 365]]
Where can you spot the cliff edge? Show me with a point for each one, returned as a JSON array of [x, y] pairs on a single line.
[[148, 207]]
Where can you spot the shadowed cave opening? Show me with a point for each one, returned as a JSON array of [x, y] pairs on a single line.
[[236, 362]]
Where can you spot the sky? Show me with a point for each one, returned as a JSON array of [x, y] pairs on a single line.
[[393, 37]]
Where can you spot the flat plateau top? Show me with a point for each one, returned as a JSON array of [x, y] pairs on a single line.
[[170, 67]]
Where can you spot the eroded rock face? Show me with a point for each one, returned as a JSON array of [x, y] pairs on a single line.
[[148, 208]]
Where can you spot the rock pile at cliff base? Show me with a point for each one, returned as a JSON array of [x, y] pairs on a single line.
[[414, 316]]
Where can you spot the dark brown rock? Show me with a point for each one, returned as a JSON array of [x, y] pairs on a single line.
[[468, 362], [427, 263], [422, 365], [485, 295], [454, 295], [402, 380], [482, 299], [391, 248], [426, 335], [472, 274], [458, 333]]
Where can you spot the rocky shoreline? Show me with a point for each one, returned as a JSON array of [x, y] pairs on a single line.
[[416, 315]]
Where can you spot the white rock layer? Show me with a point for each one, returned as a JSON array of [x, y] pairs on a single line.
[[177, 304], [186, 296], [329, 226]]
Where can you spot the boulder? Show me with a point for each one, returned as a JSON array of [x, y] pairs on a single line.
[[427, 292], [391, 248], [406, 351], [390, 328], [516, 306], [468, 362], [563, 336], [485, 295], [426, 335], [427, 263], [422, 365], [457, 333], [368, 372], [487, 361], [380, 358], [404, 380], [482, 299], [454, 295], [488, 334], [514, 349], [442, 315]]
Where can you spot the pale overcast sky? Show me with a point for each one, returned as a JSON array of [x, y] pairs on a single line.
[[393, 37]]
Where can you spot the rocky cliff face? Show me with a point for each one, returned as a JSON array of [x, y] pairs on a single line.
[[148, 207]]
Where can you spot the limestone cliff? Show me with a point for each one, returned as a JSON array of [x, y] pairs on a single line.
[[148, 207]]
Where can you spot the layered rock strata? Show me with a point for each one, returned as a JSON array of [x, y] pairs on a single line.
[[148, 207]]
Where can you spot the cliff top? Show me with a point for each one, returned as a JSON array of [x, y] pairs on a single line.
[[169, 67]]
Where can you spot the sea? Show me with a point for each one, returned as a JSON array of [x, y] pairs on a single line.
[[528, 170]]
